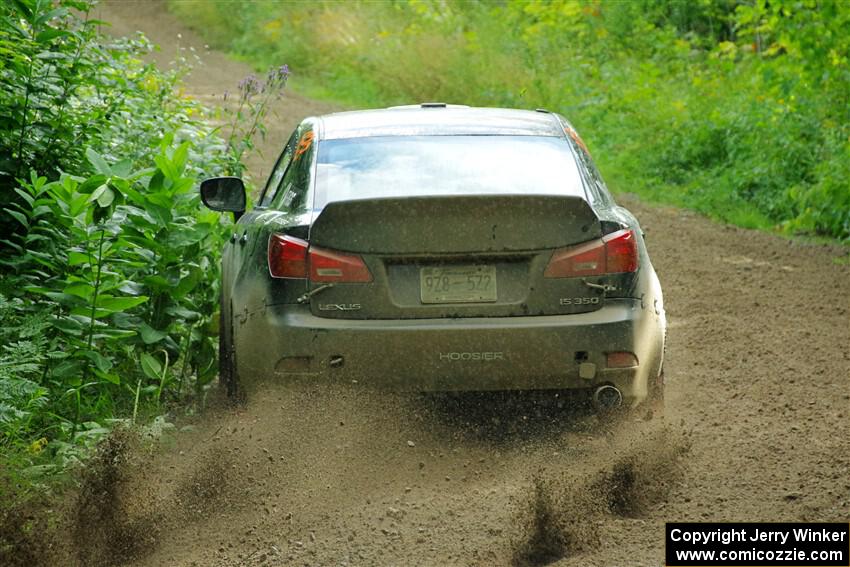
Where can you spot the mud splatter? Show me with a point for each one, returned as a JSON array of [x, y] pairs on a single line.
[[110, 522], [569, 507]]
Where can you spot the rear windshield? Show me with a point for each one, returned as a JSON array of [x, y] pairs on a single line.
[[393, 166]]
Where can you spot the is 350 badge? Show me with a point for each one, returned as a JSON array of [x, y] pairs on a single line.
[[579, 300]]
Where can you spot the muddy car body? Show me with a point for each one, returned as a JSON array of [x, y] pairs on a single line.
[[439, 248]]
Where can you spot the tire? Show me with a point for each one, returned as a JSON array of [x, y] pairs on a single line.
[[227, 375], [654, 404]]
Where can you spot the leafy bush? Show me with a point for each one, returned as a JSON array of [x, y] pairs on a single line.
[[108, 293], [123, 272], [737, 109]]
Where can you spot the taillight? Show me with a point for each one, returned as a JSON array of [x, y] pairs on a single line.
[[583, 260], [287, 256], [328, 266], [613, 253], [291, 257], [621, 253]]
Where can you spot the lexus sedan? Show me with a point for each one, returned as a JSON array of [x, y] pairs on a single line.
[[439, 248]]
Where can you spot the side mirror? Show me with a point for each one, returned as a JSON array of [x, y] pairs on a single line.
[[225, 194]]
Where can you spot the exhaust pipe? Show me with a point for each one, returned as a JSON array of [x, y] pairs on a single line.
[[607, 398]]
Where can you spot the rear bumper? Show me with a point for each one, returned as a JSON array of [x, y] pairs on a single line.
[[287, 342]]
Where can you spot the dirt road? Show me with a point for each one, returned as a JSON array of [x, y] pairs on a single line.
[[757, 428]]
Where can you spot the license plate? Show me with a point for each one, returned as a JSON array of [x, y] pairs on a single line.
[[458, 284]]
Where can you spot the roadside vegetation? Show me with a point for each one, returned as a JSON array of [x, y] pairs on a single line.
[[736, 108], [108, 263]]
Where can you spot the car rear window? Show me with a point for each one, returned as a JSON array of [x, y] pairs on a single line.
[[393, 166]]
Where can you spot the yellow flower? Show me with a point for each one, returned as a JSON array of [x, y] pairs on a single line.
[[272, 29], [38, 445], [150, 84]]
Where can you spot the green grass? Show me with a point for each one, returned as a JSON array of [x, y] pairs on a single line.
[[740, 112]]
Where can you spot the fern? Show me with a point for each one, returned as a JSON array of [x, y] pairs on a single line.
[[22, 359]]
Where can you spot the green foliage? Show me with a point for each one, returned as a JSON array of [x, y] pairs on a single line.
[[738, 109], [22, 358], [123, 269], [57, 87], [108, 265], [63, 90]]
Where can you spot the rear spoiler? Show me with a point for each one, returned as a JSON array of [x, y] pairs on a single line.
[[455, 224]]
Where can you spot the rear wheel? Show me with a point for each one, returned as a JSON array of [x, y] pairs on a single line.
[[654, 404], [227, 375]]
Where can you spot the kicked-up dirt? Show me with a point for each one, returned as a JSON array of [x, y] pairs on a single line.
[[757, 428], [334, 476]]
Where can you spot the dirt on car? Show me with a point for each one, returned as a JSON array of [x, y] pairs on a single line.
[[756, 427]]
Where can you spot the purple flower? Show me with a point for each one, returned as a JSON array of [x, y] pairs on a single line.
[[249, 86], [276, 77]]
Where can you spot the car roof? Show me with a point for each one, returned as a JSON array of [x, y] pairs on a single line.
[[437, 119]]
